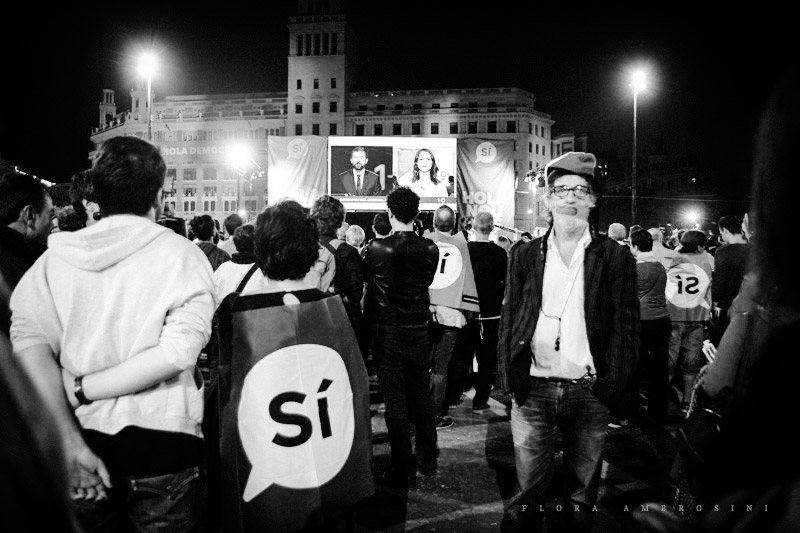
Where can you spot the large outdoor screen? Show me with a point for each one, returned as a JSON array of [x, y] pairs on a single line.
[[363, 170]]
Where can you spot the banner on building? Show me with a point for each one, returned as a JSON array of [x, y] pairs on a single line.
[[298, 168], [486, 178], [295, 430], [454, 283]]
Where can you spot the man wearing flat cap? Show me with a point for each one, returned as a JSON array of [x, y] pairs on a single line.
[[567, 347]]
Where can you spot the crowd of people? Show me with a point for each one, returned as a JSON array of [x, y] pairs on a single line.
[[579, 332]]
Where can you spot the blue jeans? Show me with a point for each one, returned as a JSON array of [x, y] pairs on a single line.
[[171, 502], [443, 344], [400, 356], [572, 408]]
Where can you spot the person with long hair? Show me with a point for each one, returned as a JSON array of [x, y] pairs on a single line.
[[424, 177]]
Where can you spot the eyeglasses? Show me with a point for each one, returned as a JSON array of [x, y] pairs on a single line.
[[580, 191]]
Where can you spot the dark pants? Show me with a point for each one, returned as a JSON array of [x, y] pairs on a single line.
[[653, 366], [458, 370], [582, 419], [482, 341], [172, 502], [443, 344], [400, 356]]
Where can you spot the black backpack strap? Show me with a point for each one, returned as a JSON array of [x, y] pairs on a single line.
[[246, 278]]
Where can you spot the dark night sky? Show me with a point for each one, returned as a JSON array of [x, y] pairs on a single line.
[[711, 70]]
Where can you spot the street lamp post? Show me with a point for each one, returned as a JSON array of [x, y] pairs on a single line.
[[147, 66], [638, 85]]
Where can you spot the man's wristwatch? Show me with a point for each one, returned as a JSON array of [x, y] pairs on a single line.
[[79, 395]]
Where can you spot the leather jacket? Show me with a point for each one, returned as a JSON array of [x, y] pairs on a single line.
[[400, 269]]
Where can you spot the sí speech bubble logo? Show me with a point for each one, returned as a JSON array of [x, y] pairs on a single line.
[[687, 284], [296, 418], [449, 267], [485, 153], [297, 148]]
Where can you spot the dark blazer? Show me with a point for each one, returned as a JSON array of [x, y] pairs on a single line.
[[370, 187], [610, 305]]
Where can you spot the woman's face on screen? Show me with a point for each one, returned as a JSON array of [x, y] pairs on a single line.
[[424, 161]]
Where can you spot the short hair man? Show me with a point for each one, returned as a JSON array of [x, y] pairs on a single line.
[[444, 332], [618, 232], [400, 269], [568, 344], [231, 222], [381, 226], [731, 262], [661, 252], [26, 214], [204, 230], [358, 181], [104, 318], [489, 263], [348, 280]]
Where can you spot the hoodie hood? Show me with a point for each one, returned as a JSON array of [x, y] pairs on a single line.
[[106, 243]]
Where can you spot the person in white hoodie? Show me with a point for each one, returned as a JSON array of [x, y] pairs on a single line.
[[109, 322]]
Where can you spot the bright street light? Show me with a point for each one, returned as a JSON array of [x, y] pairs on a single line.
[[147, 67], [638, 82]]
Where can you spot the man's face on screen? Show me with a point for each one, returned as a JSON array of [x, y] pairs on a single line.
[[358, 160]]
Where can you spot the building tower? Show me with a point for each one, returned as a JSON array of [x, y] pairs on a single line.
[[320, 51], [108, 109]]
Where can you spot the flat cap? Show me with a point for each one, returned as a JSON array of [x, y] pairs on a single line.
[[580, 163]]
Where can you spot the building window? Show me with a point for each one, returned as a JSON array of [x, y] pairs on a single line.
[[530, 165], [398, 107], [189, 192], [171, 174], [209, 205], [417, 106], [229, 189], [530, 148], [362, 108], [334, 107], [326, 39], [530, 128], [210, 190], [378, 129], [315, 129], [435, 128], [491, 126], [188, 206], [454, 105], [316, 44], [491, 104], [359, 130], [332, 128], [308, 44], [316, 83], [189, 174], [299, 45], [537, 149], [298, 108], [380, 107], [435, 105], [229, 205], [536, 130], [472, 127], [397, 129], [298, 129], [315, 107], [209, 174], [415, 128], [473, 105], [333, 83], [454, 127], [511, 126], [543, 132], [543, 149], [334, 43]]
